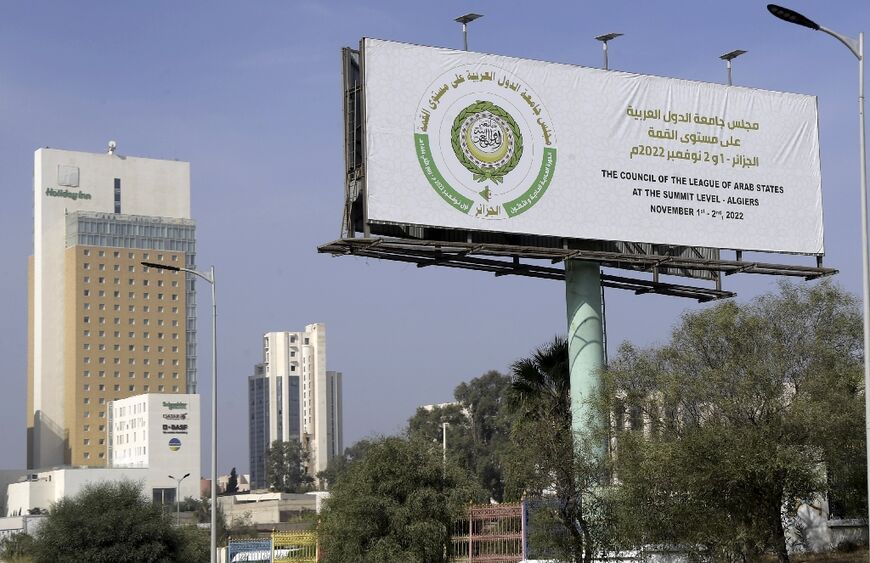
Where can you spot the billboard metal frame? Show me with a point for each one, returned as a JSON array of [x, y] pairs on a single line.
[[516, 254]]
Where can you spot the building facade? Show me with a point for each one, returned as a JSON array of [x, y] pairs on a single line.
[[160, 432], [101, 326], [292, 396]]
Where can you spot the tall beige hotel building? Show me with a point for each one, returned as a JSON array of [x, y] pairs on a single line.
[[101, 326]]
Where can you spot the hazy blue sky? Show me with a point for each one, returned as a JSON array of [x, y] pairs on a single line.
[[249, 94]]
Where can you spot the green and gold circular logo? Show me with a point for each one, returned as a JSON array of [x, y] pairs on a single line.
[[485, 142]]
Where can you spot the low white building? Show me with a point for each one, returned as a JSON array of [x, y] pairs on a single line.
[[154, 439], [160, 432]]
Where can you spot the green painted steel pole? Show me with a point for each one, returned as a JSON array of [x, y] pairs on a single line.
[[585, 338]]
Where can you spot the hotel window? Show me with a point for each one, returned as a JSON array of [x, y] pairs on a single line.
[[116, 307], [102, 320], [87, 359], [131, 281], [145, 388], [175, 388], [160, 388], [86, 387], [131, 321], [117, 320], [160, 308], [117, 387], [102, 267], [101, 279], [86, 428], [160, 258], [102, 373], [102, 414], [102, 360], [116, 254], [116, 360], [86, 332], [87, 455], [102, 427], [116, 281], [101, 293], [87, 400], [160, 296], [160, 348], [101, 334], [131, 374], [146, 348], [131, 269], [159, 375], [131, 348], [86, 293], [86, 279], [87, 441], [145, 256], [116, 294], [116, 374], [86, 414], [86, 252], [116, 267], [131, 295], [102, 400], [175, 258], [145, 295], [159, 283], [131, 308], [87, 346], [101, 387], [146, 375], [101, 455], [144, 282]]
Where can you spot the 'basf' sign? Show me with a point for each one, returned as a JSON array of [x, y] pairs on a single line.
[[491, 143]]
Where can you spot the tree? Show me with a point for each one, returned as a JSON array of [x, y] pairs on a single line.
[[478, 428], [16, 548], [232, 482], [545, 454], [737, 420], [287, 467], [110, 522], [337, 465], [396, 503]]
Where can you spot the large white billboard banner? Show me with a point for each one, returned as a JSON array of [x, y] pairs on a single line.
[[485, 142]]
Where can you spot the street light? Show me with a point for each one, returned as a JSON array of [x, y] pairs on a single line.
[[464, 20], [728, 57], [178, 497], [209, 277], [604, 39], [857, 49]]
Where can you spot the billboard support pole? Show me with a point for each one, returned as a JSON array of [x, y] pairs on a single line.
[[585, 338]]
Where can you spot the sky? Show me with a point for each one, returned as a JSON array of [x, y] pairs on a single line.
[[250, 94]]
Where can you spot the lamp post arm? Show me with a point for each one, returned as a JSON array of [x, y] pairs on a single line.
[[851, 43]]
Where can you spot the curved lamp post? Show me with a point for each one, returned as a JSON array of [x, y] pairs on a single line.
[[177, 497], [856, 46], [209, 277]]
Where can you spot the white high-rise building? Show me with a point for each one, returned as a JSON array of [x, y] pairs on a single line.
[[292, 396]]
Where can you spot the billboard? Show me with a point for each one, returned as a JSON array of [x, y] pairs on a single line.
[[490, 143]]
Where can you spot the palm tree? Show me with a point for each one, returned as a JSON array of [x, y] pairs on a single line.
[[541, 384], [541, 395]]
